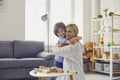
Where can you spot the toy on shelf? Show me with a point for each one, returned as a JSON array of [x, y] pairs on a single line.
[[88, 52], [109, 44], [101, 43], [106, 55]]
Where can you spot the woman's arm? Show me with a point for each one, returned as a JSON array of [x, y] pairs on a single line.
[[77, 38], [68, 51]]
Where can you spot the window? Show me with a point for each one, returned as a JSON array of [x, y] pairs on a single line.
[[60, 11], [35, 28], [56, 10]]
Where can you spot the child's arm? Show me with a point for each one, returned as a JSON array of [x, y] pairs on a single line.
[[74, 40], [61, 44]]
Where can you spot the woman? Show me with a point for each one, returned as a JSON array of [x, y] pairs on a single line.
[[72, 54]]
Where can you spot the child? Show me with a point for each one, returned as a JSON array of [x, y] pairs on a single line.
[[59, 31]]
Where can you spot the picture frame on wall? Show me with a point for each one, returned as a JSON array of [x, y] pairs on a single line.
[[3, 5]]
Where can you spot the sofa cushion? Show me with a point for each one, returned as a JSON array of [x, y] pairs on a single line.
[[45, 55], [10, 63], [27, 49], [33, 62], [6, 50]]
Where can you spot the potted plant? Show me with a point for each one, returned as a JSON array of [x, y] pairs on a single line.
[[105, 11]]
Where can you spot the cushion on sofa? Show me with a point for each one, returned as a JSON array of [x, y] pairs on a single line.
[[6, 50], [27, 49], [45, 55], [32, 62], [10, 63]]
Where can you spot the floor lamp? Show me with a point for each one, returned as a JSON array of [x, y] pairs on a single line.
[[45, 18]]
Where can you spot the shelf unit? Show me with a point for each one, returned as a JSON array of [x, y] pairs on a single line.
[[104, 47], [112, 61]]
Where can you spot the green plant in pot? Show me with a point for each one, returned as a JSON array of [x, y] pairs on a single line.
[[105, 11]]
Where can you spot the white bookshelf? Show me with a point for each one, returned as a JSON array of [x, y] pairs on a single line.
[[96, 37]]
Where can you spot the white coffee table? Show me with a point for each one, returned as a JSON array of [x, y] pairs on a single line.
[[42, 76]]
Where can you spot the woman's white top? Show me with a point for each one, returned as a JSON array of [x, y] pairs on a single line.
[[72, 59]]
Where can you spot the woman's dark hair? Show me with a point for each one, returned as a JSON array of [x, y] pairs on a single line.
[[57, 26]]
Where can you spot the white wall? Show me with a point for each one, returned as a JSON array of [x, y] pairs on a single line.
[[78, 16], [112, 5], [12, 21], [87, 20], [91, 8]]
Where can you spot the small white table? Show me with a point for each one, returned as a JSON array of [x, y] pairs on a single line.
[[42, 76]]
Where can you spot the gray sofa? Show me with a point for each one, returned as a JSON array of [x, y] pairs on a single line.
[[17, 58]]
